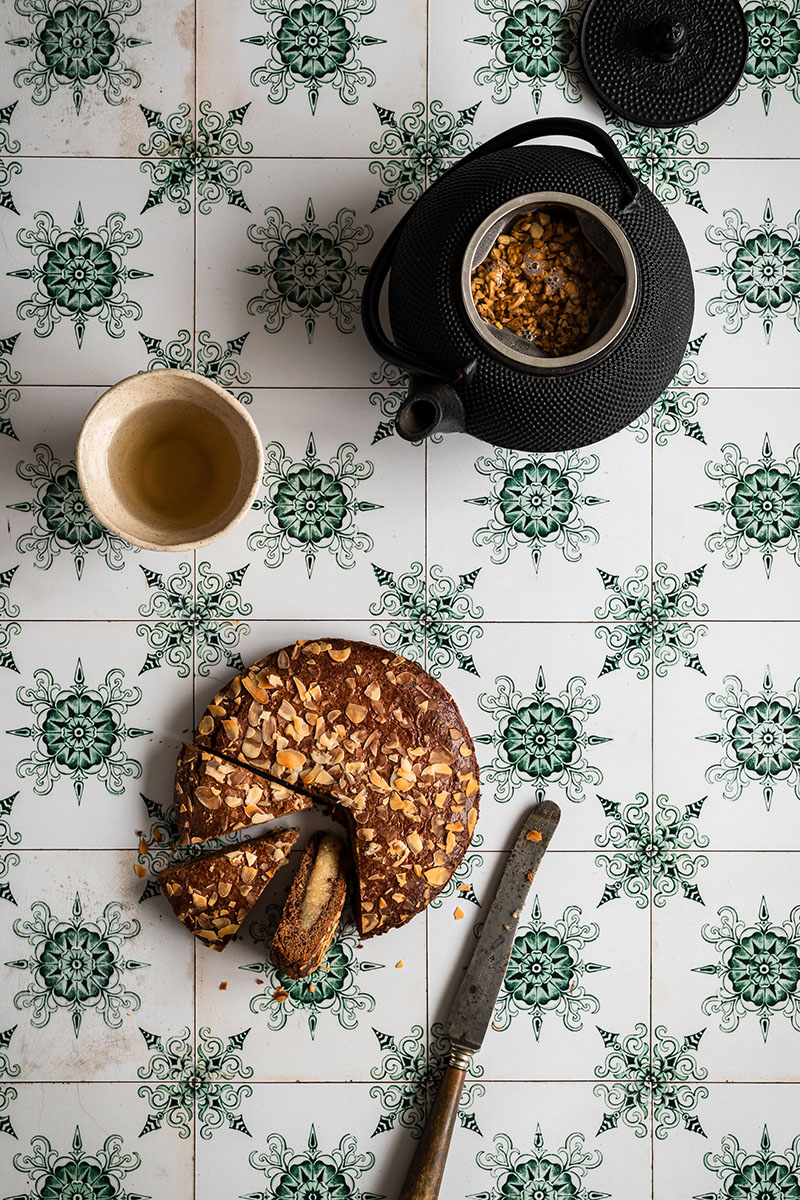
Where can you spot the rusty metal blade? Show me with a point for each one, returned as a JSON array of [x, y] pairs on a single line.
[[474, 1004]]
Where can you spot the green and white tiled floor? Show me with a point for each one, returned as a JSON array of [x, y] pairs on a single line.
[[620, 625]]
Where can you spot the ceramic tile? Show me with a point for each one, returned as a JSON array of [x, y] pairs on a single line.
[[138, 278], [86, 966], [726, 503], [329, 498], [728, 966], [726, 736], [297, 336], [80, 75], [86, 735], [313, 80]]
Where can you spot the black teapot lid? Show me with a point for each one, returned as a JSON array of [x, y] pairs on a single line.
[[663, 62]]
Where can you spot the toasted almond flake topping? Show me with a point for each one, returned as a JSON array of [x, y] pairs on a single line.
[[414, 843], [533, 836], [231, 728], [293, 759], [224, 888], [356, 713], [206, 724], [437, 876], [458, 914], [140, 870], [400, 964], [339, 656]]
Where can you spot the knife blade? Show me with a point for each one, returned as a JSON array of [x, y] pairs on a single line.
[[473, 1006]]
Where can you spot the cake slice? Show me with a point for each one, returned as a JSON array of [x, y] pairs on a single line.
[[213, 895], [214, 797], [313, 907]]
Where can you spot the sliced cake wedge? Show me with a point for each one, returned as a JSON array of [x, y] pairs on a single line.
[[214, 797], [213, 895], [313, 907]]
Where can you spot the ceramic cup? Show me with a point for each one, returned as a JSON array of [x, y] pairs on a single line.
[[169, 460]]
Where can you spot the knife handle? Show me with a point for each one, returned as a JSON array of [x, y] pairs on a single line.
[[425, 1174]]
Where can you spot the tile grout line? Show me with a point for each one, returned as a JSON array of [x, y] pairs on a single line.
[[194, 629], [651, 1106]]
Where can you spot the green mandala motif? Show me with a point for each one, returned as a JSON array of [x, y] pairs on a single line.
[[761, 737], [8, 395], [673, 155], [760, 505], [181, 158], [156, 848], [432, 612], [311, 506], [533, 43], [675, 411], [209, 358], [762, 1175], [8, 169], [410, 1079], [654, 620], [77, 45], [758, 969], [78, 732], [651, 854], [416, 147], [545, 972], [333, 988], [196, 619], [7, 1096], [63, 519], [313, 43], [9, 628], [310, 269], [773, 60], [80, 274], [648, 1077], [8, 1069], [536, 501], [760, 272], [459, 886], [310, 1174], [540, 739], [77, 964], [535, 1173], [8, 837], [77, 1175], [192, 1085]]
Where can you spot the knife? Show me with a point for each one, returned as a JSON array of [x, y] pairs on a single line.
[[472, 1009]]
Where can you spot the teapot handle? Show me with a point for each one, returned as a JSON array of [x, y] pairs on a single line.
[[570, 127]]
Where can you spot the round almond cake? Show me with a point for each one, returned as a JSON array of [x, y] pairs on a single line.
[[363, 731]]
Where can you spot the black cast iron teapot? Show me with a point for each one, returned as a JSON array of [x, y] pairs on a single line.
[[466, 375]]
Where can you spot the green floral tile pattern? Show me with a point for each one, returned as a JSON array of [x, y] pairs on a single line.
[[773, 61], [309, 1172], [763, 1172], [432, 616], [7, 1097], [77, 45], [674, 156], [8, 395], [655, 620], [79, 273], [190, 1089], [335, 987], [760, 738], [9, 628], [416, 147], [77, 964], [212, 359], [676, 411], [8, 862], [311, 505], [760, 505], [8, 169], [650, 1076], [8, 1069], [415, 1071], [313, 44], [191, 619], [540, 739], [187, 157], [76, 1173], [78, 731], [550, 1173], [545, 973], [654, 855], [310, 269], [760, 271], [536, 501], [531, 44], [758, 969]]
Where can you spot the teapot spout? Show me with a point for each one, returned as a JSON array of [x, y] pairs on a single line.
[[431, 406]]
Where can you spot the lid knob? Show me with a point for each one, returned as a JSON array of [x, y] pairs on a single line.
[[667, 38]]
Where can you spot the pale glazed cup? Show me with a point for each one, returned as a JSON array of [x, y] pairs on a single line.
[[137, 395]]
